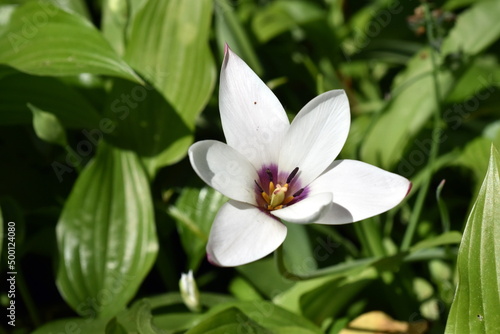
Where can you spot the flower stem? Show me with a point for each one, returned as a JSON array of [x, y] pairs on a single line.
[[419, 203]]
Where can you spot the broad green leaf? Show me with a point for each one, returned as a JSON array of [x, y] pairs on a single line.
[[48, 127], [229, 29], [475, 29], [230, 320], [42, 39], [143, 121], [48, 94], [476, 305], [405, 114], [169, 45], [116, 17], [281, 16], [106, 234], [194, 213]]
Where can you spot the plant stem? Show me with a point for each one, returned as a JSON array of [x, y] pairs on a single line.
[[419, 203]]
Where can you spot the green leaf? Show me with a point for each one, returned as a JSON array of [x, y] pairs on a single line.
[[73, 325], [281, 16], [48, 94], [145, 122], [259, 315], [476, 305], [228, 29], [169, 45], [405, 115], [47, 127], [231, 320], [328, 290], [42, 39], [106, 234], [452, 237], [298, 253], [114, 327], [475, 29], [194, 213]]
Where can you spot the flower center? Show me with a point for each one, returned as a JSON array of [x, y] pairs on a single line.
[[277, 196]]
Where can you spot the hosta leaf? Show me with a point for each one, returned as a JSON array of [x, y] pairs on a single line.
[[476, 305], [194, 213], [106, 234], [42, 39], [169, 45]]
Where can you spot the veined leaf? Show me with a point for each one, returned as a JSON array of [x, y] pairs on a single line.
[[42, 39], [476, 305], [169, 45], [106, 234]]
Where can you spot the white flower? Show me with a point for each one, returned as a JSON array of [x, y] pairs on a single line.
[[271, 169]]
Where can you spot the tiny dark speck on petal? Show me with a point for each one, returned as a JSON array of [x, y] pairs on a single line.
[[254, 102]]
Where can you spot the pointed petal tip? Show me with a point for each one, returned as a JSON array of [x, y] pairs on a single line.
[[409, 188]]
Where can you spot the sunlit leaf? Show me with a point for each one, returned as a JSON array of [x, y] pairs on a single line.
[[229, 29], [482, 16], [476, 305], [194, 213], [281, 16], [405, 114], [106, 234], [48, 127], [42, 39], [169, 45]]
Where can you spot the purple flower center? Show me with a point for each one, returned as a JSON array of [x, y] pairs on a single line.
[[276, 190]]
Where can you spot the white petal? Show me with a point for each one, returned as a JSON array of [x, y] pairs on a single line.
[[316, 135], [253, 118], [241, 233], [307, 210], [224, 169], [359, 191]]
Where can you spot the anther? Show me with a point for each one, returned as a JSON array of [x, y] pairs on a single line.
[[292, 175], [269, 174], [258, 186], [298, 192]]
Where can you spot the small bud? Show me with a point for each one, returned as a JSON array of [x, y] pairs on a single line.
[[189, 291]]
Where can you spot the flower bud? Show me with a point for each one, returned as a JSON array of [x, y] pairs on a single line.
[[189, 291]]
